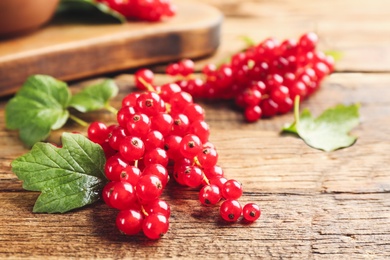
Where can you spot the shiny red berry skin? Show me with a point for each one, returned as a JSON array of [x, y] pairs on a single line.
[[138, 125], [150, 103], [98, 132], [252, 113], [251, 212], [230, 210], [209, 195], [232, 190], [158, 170], [122, 195], [130, 174], [190, 146], [114, 167], [155, 226], [172, 146], [141, 76], [156, 156], [157, 206], [149, 187], [129, 221], [193, 176], [132, 148], [162, 122], [208, 157], [106, 193]]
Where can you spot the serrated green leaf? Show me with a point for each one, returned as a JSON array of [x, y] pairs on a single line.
[[94, 97], [90, 6], [38, 107], [329, 131], [69, 177]]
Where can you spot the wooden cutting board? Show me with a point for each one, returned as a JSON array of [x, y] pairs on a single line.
[[70, 50]]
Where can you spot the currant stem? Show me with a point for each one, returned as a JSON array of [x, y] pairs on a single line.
[[136, 163], [296, 109], [111, 109], [147, 85], [78, 120], [197, 163], [144, 211]]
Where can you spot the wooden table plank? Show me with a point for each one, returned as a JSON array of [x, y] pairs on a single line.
[[70, 49], [317, 226]]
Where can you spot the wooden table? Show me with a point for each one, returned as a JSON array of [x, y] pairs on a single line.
[[315, 205]]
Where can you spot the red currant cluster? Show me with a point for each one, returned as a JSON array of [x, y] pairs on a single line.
[[145, 10], [264, 79], [162, 133]]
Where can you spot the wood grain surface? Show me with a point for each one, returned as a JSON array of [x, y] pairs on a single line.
[[72, 48], [315, 205]]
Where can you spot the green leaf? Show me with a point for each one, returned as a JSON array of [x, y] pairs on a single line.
[[38, 107], [94, 97], [69, 177], [89, 7], [329, 131]]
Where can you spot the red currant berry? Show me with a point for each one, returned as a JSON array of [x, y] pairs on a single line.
[[124, 114], [132, 148], [215, 171], [252, 113], [150, 103], [173, 69], [130, 100], [149, 187], [186, 67], [106, 193], [114, 167], [268, 107], [172, 146], [230, 210], [308, 42], [193, 176], [167, 90], [130, 174], [200, 129], [143, 76], [139, 125], [157, 207], [98, 132], [208, 157], [194, 112], [180, 125], [232, 190], [219, 181], [162, 122], [129, 221], [251, 212], [155, 226], [116, 137], [209, 195], [179, 101], [122, 195], [190, 146], [154, 139], [156, 155], [158, 170]]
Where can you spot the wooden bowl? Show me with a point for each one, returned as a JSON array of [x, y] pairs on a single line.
[[22, 16]]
